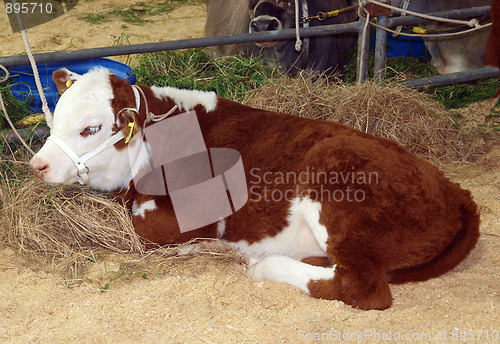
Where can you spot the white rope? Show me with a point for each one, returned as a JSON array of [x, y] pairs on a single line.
[[19, 137], [298, 42], [449, 34], [151, 117], [7, 74], [365, 32], [157, 118], [45, 107], [472, 23]]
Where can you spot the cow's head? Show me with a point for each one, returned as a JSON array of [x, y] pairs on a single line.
[[269, 15], [94, 112], [322, 54]]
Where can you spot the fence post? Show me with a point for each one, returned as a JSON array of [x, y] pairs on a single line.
[[380, 47]]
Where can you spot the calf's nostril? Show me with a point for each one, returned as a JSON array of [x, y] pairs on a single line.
[[39, 170], [43, 168]]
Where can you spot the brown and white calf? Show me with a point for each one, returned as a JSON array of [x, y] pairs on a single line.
[[333, 211]]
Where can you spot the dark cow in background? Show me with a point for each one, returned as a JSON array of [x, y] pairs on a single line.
[[321, 54], [492, 53], [455, 53]]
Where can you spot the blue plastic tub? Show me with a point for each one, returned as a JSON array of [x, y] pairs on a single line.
[[24, 87], [404, 46]]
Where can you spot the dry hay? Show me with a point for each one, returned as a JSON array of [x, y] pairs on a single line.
[[411, 118], [64, 228], [62, 224]]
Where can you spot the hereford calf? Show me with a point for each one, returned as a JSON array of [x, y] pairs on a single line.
[[333, 211]]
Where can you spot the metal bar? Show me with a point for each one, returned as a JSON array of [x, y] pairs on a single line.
[[181, 44], [40, 132], [453, 78], [452, 14]]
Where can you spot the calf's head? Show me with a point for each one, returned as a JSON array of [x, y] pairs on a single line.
[[91, 120]]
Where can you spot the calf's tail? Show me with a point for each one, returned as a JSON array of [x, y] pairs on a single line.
[[465, 240]]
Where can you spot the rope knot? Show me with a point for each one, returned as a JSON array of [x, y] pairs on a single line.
[[151, 117], [473, 23], [298, 44]]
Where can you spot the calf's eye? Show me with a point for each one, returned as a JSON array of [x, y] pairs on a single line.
[[90, 130]]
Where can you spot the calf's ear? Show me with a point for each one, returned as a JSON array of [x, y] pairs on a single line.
[[64, 78], [128, 124]]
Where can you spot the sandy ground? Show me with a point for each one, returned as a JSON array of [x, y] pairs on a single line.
[[205, 300], [67, 32]]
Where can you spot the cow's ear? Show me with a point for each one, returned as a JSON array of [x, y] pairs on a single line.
[[128, 124], [64, 78]]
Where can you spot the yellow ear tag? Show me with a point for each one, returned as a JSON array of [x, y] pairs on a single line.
[[129, 136], [69, 83], [419, 30]]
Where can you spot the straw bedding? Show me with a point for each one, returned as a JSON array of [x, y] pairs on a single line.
[[409, 117], [63, 229], [58, 225]]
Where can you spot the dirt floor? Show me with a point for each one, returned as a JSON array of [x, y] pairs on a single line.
[[68, 32], [206, 300]]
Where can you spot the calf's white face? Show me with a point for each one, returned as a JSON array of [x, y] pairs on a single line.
[[83, 119]]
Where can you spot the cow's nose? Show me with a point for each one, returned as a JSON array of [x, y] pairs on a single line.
[[260, 24], [38, 167]]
